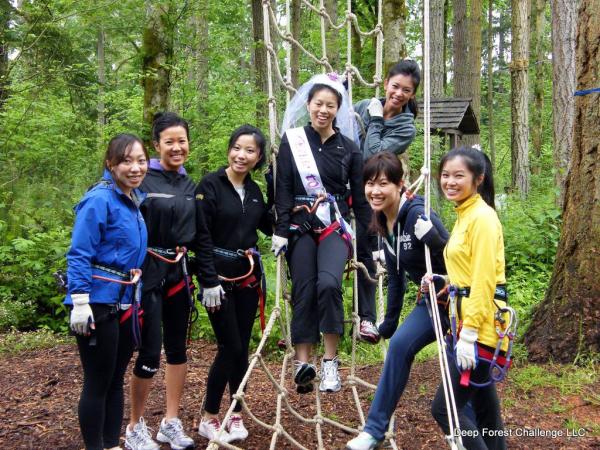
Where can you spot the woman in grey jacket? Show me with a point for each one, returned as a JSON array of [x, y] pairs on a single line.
[[387, 125]]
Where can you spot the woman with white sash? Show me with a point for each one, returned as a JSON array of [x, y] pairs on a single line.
[[315, 165]]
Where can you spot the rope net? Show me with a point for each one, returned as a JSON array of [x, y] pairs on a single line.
[[281, 314]]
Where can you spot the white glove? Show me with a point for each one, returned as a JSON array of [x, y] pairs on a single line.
[[375, 108], [379, 256], [439, 281], [278, 244], [211, 297], [422, 227], [466, 349], [82, 318]]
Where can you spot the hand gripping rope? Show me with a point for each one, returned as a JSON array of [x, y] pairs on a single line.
[[180, 256]]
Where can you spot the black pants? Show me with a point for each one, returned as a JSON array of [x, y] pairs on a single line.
[[232, 325], [317, 271], [365, 245], [165, 320], [477, 435], [104, 365]]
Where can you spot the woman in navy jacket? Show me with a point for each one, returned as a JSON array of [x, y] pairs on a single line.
[[109, 239]]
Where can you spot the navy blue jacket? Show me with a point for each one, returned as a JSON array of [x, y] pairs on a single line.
[[109, 231]]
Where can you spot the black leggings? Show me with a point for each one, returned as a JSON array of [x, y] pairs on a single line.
[[317, 270], [104, 365], [232, 325], [486, 432], [165, 319]]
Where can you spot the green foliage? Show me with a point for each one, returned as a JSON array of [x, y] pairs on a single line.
[[15, 342]]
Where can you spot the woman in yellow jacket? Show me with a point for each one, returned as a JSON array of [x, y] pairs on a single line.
[[474, 259]]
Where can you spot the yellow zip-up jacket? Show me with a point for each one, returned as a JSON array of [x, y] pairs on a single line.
[[474, 258]]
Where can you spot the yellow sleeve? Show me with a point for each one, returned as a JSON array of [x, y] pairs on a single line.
[[484, 235]]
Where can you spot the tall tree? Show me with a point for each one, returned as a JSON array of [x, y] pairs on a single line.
[[5, 10], [199, 75], [394, 16], [538, 25], [101, 85], [157, 50], [490, 82], [438, 63], [519, 97], [332, 35], [565, 324], [295, 25], [564, 25], [474, 64], [260, 63]]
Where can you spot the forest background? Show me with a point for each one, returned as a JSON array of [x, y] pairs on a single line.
[[74, 73]]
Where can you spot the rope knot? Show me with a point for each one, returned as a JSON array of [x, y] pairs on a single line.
[[424, 171]]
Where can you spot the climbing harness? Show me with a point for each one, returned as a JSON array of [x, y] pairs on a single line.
[[499, 361], [174, 256], [248, 280]]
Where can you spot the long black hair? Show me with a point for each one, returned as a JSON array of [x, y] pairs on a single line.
[[411, 69], [478, 164], [258, 136]]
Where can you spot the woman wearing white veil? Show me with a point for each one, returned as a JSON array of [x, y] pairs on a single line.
[[315, 164]]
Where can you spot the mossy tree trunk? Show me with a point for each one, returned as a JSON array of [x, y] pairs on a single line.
[[566, 324]]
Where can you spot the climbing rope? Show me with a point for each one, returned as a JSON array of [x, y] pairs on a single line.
[[281, 315]]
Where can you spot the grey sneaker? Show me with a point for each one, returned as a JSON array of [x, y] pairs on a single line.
[[368, 332], [330, 378], [304, 374], [364, 441], [171, 432], [139, 438]]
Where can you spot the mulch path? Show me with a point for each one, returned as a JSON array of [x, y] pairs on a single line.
[[39, 391]]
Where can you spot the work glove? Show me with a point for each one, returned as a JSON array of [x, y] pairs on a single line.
[[211, 297], [379, 256], [278, 244], [422, 226], [466, 349], [439, 282], [82, 318], [375, 108]]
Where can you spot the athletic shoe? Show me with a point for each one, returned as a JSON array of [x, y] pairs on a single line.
[[330, 378], [171, 432], [364, 441], [139, 438], [304, 373], [236, 429], [209, 428], [368, 332]]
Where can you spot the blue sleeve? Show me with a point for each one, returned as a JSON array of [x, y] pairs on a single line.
[[90, 225]]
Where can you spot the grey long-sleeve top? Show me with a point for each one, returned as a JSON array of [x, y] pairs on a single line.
[[385, 135]]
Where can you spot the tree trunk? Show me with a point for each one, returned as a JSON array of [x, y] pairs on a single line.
[[490, 84], [157, 50], [460, 49], [5, 9], [101, 83], [564, 25], [295, 25], [394, 16], [200, 77], [332, 36], [474, 66], [565, 325], [519, 97], [260, 64], [437, 36], [538, 25]]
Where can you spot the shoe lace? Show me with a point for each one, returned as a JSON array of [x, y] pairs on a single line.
[[143, 432], [330, 369], [214, 423], [367, 326], [235, 422], [175, 426]]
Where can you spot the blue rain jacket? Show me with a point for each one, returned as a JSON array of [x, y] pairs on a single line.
[[109, 231]]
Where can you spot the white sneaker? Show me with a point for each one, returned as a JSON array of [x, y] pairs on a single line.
[[209, 428], [139, 438], [364, 441], [171, 432], [236, 429], [330, 378]]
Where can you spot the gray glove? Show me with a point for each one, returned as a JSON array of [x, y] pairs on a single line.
[[375, 108], [211, 297], [82, 317], [278, 244]]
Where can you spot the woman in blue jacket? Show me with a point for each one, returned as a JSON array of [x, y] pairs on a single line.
[[109, 240], [400, 220]]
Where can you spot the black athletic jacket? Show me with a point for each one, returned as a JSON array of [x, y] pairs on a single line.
[[339, 161], [170, 214], [229, 223]]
